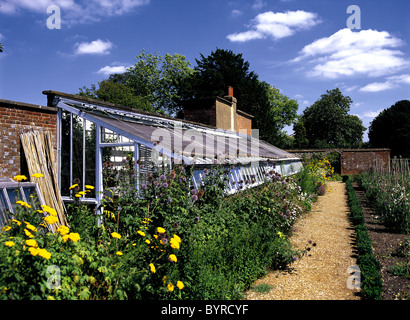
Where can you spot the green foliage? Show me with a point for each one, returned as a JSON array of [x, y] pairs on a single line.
[[118, 94], [391, 129], [390, 196], [327, 124], [175, 242], [271, 109], [371, 284]]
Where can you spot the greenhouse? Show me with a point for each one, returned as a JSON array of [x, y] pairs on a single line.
[[94, 136]]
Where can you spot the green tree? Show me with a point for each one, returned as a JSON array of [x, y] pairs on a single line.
[[328, 124], [212, 75], [157, 79], [116, 93], [391, 129]]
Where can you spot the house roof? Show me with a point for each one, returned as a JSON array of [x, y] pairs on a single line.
[[190, 141]]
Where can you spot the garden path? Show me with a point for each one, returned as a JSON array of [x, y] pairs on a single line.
[[321, 274]]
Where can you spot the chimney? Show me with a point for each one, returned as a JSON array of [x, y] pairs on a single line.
[[220, 112], [230, 91]]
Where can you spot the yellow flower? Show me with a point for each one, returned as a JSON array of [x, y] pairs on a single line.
[[49, 210], [178, 239], [31, 243], [161, 230], [173, 257], [37, 175], [174, 243], [147, 241], [88, 187], [180, 285], [51, 219], [73, 186], [82, 193], [63, 230], [119, 253], [77, 195], [74, 236], [23, 204], [20, 178], [116, 235], [33, 251], [152, 267], [141, 233], [28, 233], [170, 287], [9, 243], [16, 221], [44, 253], [280, 234], [7, 228]]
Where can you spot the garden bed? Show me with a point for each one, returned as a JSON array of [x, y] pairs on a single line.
[[386, 246]]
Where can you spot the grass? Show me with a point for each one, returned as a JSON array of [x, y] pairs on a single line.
[[262, 288]]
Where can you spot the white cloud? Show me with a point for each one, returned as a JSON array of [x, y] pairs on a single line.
[[377, 86], [74, 11], [276, 25], [390, 83], [236, 13], [107, 70], [98, 47], [258, 4], [370, 114], [347, 53]]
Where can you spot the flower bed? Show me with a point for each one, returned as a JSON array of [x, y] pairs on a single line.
[[390, 195], [175, 242]]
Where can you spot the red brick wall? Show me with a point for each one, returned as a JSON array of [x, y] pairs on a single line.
[[17, 118], [356, 161], [244, 123]]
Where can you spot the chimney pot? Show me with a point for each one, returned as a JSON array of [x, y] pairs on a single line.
[[230, 91]]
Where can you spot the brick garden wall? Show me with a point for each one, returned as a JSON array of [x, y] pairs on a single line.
[[353, 161], [17, 118], [356, 161]]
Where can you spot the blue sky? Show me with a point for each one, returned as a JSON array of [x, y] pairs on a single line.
[[301, 47]]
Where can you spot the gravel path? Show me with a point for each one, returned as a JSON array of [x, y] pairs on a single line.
[[321, 274]]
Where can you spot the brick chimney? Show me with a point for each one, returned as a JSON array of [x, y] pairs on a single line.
[[220, 112]]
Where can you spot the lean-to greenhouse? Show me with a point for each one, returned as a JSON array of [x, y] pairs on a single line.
[[85, 136]]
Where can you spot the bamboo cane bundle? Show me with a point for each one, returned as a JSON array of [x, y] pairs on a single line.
[[40, 159]]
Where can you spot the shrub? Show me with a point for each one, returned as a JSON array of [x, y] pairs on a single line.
[[371, 284], [173, 242]]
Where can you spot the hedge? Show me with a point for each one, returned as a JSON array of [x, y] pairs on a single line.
[[371, 284]]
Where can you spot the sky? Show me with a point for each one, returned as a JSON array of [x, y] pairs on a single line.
[[303, 48]]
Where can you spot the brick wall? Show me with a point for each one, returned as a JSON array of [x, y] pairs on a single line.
[[17, 118], [356, 161], [244, 122]]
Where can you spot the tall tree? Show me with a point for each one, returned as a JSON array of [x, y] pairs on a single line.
[[212, 75], [157, 79], [391, 129], [328, 124], [116, 93]]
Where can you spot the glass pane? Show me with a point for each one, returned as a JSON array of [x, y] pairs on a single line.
[[65, 154], [118, 166], [90, 149], [14, 195], [4, 216], [108, 136], [31, 197], [77, 156]]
